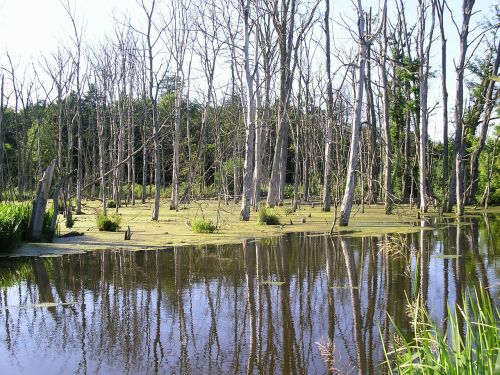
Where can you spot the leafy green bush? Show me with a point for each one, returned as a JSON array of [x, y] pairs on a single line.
[[14, 221], [111, 204], [203, 226], [471, 348], [267, 218], [108, 223]]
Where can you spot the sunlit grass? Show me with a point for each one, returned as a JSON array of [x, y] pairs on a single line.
[[471, 348], [14, 221]]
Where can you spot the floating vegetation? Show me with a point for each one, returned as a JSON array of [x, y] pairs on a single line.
[[272, 282], [41, 305], [446, 256]]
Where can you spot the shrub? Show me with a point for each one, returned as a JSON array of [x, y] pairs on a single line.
[[111, 204], [203, 226], [475, 350], [267, 218], [108, 223]]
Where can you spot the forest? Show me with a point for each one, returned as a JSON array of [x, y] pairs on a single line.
[[294, 116]]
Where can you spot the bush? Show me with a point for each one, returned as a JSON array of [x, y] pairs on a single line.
[[108, 223], [203, 226], [111, 204], [267, 218]]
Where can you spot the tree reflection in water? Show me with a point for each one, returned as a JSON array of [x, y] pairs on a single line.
[[259, 307]]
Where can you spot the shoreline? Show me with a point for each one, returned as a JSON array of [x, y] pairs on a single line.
[[172, 231]]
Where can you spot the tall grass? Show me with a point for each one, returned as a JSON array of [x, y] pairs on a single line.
[[203, 226], [266, 217], [473, 348], [14, 221], [108, 223]]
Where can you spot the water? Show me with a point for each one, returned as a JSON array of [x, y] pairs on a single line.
[[260, 307]]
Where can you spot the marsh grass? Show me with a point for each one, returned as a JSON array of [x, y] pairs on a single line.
[[14, 221], [200, 225], [394, 246], [266, 217], [108, 223], [473, 348]]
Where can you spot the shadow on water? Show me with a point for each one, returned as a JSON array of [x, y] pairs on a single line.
[[259, 307]]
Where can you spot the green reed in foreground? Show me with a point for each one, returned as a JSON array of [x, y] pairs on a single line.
[[14, 222], [473, 348]]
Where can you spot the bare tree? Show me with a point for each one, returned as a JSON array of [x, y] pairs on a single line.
[[386, 130], [363, 43], [459, 146], [327, 175], [249, 114], [424, 56]]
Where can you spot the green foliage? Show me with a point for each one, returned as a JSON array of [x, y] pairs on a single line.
[[267, 218], [473, 348], [47, 221], [108, 223], [111, 204], [288, 193], [14, 221], [202, 226]]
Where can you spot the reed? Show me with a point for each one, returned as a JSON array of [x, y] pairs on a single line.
[[14, 221], [470, 346]]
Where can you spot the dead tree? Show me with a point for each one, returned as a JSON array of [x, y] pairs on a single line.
[[249, 114], [424, 56], [40, 203], [363, 42]]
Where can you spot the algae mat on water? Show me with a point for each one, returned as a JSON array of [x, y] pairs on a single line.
[[172, 229]]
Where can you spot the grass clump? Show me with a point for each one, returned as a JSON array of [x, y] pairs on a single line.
[[111, 204], [14, 221], [203, 226], [471, 347], [108, 223], [267, 218]]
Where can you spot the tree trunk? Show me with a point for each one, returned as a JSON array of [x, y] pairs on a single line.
[[328, 165], [40, 203], [459, 145], [250, 125]]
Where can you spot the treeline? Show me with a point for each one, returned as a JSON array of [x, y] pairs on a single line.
[[283, 111]]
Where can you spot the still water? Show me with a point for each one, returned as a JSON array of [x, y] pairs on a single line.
[[258, 307]]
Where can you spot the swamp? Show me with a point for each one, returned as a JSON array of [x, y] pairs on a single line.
[[264, 305], [250, 187]]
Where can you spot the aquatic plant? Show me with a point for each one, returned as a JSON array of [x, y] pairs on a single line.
[[267, 218], [473, 348], [14, 221], [47, 221], [202, 226], [108, 223], [395, 246]]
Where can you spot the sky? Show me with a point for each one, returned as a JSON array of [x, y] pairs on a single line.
[[30, 28]]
